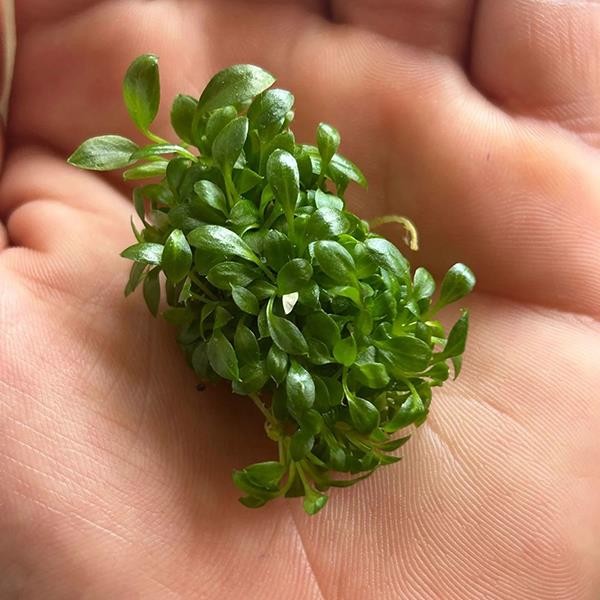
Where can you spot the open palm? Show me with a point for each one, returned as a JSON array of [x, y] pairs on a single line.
[[482, 124]]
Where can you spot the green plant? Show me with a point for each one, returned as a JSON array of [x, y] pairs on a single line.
[[274, 285]]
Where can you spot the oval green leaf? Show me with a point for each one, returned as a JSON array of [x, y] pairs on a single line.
[[104, 153], [300, 389], [145, 253], [182, 115], [283, 176], [235, 85], [457, 283], [293, 275], [141, 90], [245, 300], [176, 258], [335, 261], [222, 357], [229, 143], [221, 241]]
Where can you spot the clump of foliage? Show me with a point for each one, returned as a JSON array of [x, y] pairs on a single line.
[[274, 286]]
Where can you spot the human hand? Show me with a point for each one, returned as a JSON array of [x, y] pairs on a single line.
[[482, 124]]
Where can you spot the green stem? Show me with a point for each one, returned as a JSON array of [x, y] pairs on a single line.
[[230, 191], [290, 480], [289, 216], [314, 474], [347, 391], [201, 285], [200, 297], [155, 138], [263, 409], [187, 154], [275, 214], [308, 490]]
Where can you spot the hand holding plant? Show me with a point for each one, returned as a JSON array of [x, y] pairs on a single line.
[[116, 472]]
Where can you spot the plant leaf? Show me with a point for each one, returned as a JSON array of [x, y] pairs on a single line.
[[410, 353], [363, 414], [235, 85], [321, 326], [141, 90], [345, 351], [270, 108], [373, 375], [283, 176], [182, 115], [209, 194], [245, 344], [135, 277], [265, 474], [104, 153], [387, 256], [176, 258], [423, 284], [152, 291], [277, 249], [300, 389], [285, 334], [222, 357], [339, 164], [228, 273], [145, 252], [314, 502], [328, 142], [221, 241], [457, 283], [155, 168], [457, 338], [245, 180], [293, 275], [156, 150], [245, 300], [335, 261], [301, 443], [326, 223], [229, 143], [323, 200], [277, 361]]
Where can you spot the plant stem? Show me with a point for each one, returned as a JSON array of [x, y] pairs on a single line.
[[307, 487], [291, 476], [412, 240], [263, 409], [203, 287], [155, 138]]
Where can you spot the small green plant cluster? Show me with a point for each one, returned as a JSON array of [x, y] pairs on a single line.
[[274, 286]]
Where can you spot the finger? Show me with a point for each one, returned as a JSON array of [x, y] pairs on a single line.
[[32, 173], [129, 31], [35, 12], [439, 25], [517, 204], [542, 58], [74, 223]]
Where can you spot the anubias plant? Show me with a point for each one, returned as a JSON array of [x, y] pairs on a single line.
[[273, 285]]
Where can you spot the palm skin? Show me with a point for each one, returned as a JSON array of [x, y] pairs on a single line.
[[116, 471]]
